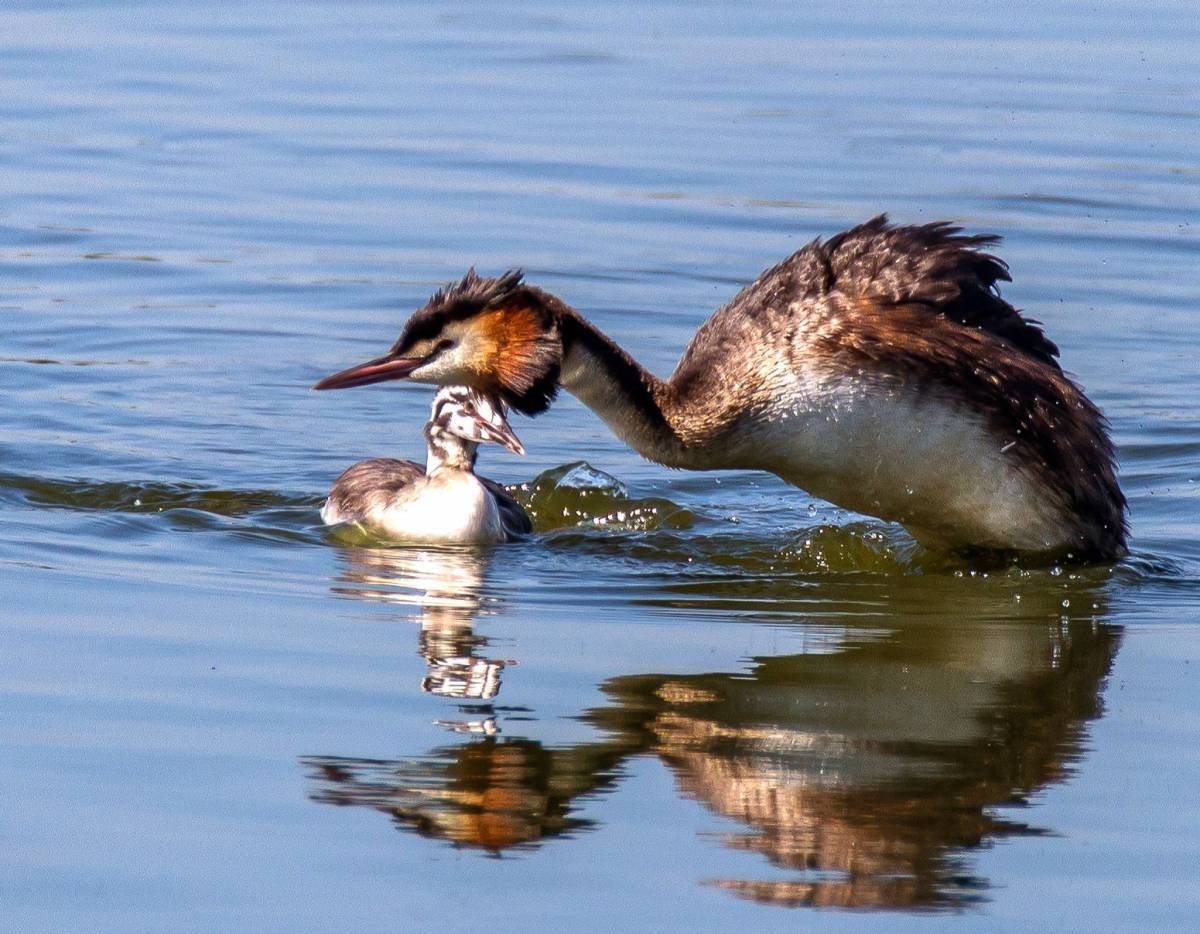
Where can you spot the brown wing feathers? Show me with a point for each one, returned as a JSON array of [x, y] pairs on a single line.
[[937, 267]]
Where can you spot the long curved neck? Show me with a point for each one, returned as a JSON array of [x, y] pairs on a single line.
[[641, 409]]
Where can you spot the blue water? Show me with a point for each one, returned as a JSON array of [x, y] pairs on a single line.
[[691, 702]]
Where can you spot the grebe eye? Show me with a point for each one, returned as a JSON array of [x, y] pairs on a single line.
[[444, 344]]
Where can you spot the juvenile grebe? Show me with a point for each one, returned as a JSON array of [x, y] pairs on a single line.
[[445, 502], [879, 370]]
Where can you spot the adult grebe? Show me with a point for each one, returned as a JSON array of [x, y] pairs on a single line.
[[879, 370], [445, 502]]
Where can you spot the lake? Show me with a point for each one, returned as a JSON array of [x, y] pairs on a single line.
[[691, 701]]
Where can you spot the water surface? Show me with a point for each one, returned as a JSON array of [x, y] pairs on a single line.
[[691, 701]]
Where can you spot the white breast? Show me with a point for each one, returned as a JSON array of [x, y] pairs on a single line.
[[449, 507], [919, 460]]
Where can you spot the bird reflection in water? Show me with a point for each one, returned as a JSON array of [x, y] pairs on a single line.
[[871, 769], [446, 586]]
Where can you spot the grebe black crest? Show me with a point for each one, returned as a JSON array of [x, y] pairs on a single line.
[[444, 502], [879, 369]]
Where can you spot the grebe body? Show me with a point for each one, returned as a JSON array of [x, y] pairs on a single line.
[[880, 370], [444, 502], [398, 500]]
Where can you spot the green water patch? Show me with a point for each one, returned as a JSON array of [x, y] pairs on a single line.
[[857, 547], [577, 495], [148, 496], [577, 507]]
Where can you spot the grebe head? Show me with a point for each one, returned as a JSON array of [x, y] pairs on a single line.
[[471, 415], [498, 335]]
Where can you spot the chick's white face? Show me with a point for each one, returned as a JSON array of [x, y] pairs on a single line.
[[473, 416]]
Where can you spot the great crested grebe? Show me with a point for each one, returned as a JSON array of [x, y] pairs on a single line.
[[445, 502], [880, 370]]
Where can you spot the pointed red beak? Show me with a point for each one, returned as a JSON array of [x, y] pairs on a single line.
[[373, 371]]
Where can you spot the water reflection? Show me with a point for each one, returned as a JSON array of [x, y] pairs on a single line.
[[446, 585], [873, 771], [493, 793], [869, 769]]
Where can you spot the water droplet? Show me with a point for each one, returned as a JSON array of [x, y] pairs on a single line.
[[1066, 603]]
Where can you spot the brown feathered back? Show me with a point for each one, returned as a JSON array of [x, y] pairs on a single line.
[[936, 267], [919, 307]]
